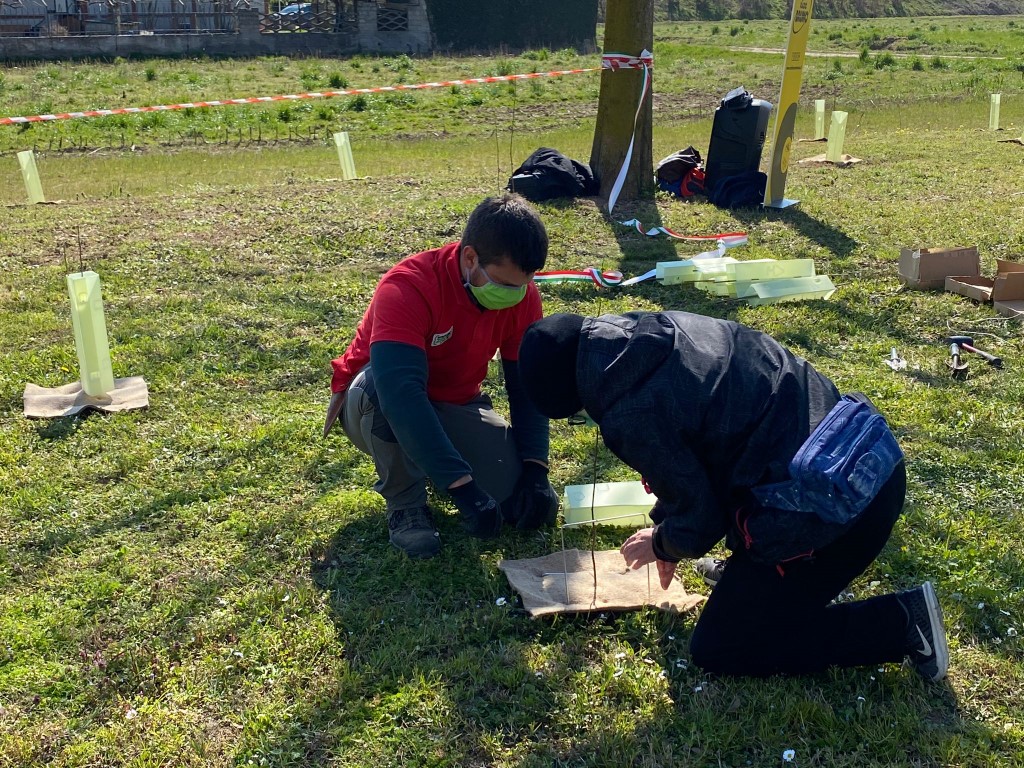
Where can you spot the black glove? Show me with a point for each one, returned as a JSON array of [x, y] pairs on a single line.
[[480, 514], [533, 502]]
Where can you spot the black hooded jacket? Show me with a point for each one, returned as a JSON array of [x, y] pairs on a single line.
[[703, 408]]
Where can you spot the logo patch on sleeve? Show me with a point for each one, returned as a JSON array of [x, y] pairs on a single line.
[[441, 338]]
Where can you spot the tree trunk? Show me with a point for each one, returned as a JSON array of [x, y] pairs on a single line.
[[629, 29]]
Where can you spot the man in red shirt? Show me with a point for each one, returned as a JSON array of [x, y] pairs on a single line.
[[407, 389]]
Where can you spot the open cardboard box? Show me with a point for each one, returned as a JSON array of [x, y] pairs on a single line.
[[1005, 291], [1008, 289], [926, 269], [972, 286]]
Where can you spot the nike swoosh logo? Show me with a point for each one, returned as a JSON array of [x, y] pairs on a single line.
[[926, 650]]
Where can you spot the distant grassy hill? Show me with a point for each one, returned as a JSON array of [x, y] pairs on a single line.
[[681, 10]]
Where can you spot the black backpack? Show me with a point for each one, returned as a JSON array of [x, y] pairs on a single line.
[[738, 191], [547, 174]]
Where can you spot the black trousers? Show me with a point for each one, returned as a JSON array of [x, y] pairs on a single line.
[[759, 622]]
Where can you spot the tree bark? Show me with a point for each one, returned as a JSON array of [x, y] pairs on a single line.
[[629, 29]]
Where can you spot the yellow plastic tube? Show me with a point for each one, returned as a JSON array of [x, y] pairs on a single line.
[[90, 329]]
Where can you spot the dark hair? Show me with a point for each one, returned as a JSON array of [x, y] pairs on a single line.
[[507, 227]]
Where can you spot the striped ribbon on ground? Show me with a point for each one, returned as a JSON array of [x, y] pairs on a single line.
[[606, 279]]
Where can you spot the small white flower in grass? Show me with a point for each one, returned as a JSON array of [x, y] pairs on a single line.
[[980, 606], [671, 637], [618, 673], [131, 714], [500, 601], [1011, 632], [698, 689], [788, 755], [620, 655], [875, 584]]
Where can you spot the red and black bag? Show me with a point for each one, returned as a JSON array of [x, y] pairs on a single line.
[[681, 173]]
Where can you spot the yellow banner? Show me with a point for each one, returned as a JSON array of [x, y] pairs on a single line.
[[785, 108]]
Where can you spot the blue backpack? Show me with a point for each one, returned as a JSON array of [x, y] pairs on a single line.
[[840, 468]]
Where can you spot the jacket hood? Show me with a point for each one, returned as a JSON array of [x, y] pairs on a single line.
[[618, 353]]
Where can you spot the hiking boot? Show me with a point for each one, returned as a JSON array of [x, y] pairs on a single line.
[[710, 569], [926, 634], [413, 532]]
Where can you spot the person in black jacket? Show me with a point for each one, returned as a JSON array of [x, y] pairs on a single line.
[[706, 409]]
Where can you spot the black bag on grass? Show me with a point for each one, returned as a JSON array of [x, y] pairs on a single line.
[[739, 191], [547, 174]]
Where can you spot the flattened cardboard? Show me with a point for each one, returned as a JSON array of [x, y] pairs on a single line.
[[926, 269], [971, 286]]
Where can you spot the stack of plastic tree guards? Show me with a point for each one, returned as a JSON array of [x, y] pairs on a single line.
[[758, 281]]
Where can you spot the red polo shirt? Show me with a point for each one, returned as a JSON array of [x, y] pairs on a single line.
[[422, 301]]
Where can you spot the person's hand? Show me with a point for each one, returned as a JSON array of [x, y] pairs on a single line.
[[481, 516], [533, 502], [638, 551], [333, 410]]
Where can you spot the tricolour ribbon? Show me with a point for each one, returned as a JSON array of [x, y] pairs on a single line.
[[607, 279], [615, 62]]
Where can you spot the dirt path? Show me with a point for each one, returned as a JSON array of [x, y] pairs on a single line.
[[850, 55]]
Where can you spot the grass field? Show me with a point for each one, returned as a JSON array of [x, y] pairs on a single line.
[[209, 583]]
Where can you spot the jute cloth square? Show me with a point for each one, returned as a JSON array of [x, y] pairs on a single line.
[[542, 582], [44, 403]]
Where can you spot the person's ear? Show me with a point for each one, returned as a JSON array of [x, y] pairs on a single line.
[[469, 258]]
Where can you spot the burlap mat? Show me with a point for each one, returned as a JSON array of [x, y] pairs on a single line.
[[844, 160], [542, 581], [44, 403]]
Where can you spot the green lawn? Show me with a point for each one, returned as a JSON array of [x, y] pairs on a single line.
[[209, 583]]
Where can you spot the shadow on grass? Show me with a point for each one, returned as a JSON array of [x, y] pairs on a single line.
[[444, 632], [62, 428], [439, 658], [640, 253], [833, 239]]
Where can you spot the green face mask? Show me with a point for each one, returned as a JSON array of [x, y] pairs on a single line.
[[492, 295]]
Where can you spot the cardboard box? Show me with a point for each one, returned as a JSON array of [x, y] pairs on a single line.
[[926, 269], [1005, 291], [973, 287], [1008, 290]]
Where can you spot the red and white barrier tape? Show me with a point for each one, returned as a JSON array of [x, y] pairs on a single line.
[[288, 97], [624, 61]]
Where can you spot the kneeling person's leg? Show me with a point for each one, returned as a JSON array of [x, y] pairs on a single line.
[[484, 439], [400, 481]]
